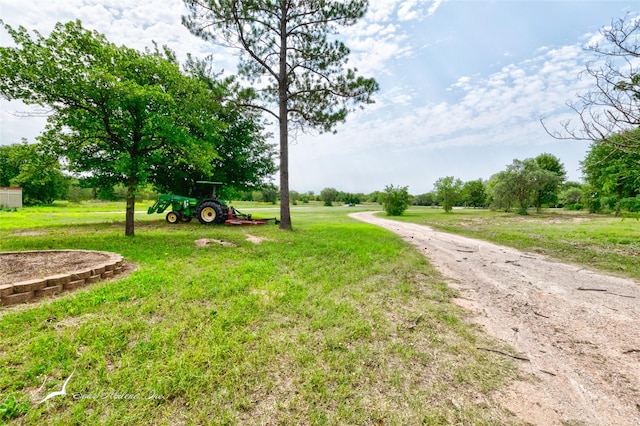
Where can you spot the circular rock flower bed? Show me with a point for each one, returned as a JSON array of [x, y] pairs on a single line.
[[29, 275]]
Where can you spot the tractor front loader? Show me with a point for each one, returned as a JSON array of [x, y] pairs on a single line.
[[182, 208], [206, 206]]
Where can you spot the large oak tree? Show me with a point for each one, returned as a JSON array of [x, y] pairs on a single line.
[[521, 183], [548, 194], [292, 61], [245, 161], [115, 112]]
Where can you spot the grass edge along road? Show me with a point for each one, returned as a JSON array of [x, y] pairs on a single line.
[[601, 242], [337, 322]]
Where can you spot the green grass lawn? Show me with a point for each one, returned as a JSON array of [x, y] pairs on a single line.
[[312, 326], [604, 242]]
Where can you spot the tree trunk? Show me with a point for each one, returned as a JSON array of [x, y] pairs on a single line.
[[130, 212], [285, 211], [620, 189]]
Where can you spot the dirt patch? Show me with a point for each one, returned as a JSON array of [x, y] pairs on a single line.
[[256, 240], [23, 266], [28, 233], [204, 242], [577, 331]]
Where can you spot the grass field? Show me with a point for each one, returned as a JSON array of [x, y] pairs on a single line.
[[315, 326]]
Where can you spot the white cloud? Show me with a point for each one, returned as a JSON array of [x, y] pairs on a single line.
[[124, 22], [403, 10], [381, 10], [406, 11], [434, 6], [379, 38], [374, 54]]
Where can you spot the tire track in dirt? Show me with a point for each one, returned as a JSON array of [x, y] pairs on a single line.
[[579, 329]]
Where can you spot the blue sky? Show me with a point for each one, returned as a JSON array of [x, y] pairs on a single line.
[[463, 83]]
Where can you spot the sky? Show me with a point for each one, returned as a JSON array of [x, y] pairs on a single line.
[[463, 83]]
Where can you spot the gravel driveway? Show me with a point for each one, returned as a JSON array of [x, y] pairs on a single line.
[[578, 330]]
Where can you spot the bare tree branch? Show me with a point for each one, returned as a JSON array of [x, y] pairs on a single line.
[[612, 106]]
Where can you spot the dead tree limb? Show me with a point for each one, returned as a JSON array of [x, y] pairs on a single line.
[[604, 290], [415, 322], [622, 295], [504, 353]]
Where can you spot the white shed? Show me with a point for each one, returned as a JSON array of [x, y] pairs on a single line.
[[10, 197]]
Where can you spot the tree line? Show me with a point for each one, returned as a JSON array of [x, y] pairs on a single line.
[[43, 178], [611, 185]]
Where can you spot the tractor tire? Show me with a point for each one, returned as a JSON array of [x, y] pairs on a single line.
[[209, 212], [173, 217]]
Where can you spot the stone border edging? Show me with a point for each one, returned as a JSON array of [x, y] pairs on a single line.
[[24, 291]]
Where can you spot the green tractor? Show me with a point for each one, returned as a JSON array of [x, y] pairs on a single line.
[[206, 206]]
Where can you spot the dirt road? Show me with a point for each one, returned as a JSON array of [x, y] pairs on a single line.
[[580, 330]]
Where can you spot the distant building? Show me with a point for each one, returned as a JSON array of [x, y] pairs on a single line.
[[10, 197]]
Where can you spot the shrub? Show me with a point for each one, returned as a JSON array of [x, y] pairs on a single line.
[[573, 207], [329, 195], [294, 196], [595, 206], [269, 194], [76, 194], [571, 199], [428, 199], [395, 200], [630, 204]]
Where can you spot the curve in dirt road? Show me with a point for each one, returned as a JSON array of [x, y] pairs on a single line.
[[578, 329]]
